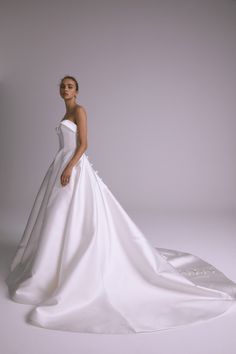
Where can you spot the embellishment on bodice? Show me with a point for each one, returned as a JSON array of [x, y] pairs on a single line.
[[95, 171]]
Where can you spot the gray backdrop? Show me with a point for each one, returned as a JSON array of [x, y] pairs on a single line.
[[158, 81]]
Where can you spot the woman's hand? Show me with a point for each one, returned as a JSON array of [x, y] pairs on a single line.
[[65, 176]]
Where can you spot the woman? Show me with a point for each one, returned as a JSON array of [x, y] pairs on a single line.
[[69, 89], [85, 264]]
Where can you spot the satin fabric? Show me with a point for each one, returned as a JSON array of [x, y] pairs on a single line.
[[86, 266]]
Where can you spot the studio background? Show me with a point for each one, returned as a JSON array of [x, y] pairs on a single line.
[[157, 79]]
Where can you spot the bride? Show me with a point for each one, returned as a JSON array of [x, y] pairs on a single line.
[[84, 264]]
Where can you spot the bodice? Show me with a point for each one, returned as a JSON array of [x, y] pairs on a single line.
[[67, 134]]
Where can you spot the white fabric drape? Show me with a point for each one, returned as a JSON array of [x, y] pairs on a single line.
[[86, 266]]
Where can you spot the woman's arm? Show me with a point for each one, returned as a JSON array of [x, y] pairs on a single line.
[[81, 121]]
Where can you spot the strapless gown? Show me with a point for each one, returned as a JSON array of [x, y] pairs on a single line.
[[86, 266]]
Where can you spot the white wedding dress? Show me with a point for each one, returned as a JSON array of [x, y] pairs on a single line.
[[86, 267]]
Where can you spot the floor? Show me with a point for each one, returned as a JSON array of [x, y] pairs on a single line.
[[210, 236]]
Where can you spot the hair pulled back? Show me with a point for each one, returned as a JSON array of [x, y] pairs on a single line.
[[72, 78]]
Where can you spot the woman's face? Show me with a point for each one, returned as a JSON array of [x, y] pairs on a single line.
[[68, 89]]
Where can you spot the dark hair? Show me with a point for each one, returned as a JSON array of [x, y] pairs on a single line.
[[72, 78]]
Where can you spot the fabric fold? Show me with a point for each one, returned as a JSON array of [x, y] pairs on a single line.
[[87, 267]]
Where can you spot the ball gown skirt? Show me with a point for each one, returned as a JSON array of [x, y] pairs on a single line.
[[86, 266]]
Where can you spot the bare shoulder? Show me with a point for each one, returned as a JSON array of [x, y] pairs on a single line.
[[80, 110], [80, 115]]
